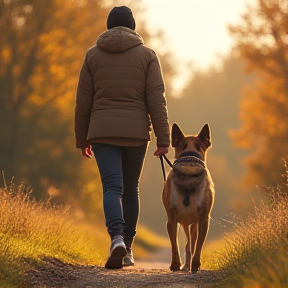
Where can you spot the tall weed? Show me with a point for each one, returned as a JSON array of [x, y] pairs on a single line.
[[29, 230], [255, 252]]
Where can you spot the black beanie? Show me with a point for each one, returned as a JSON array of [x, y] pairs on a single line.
[[120, 16]]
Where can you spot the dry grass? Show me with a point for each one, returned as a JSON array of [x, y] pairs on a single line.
[[148, 242], [255, 252], [29, 230]]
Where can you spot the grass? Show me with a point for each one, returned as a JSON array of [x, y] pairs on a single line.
[[30, 230], [255, 253], [148, 242]]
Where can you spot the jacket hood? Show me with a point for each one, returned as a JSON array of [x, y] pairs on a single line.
[[118, 39]]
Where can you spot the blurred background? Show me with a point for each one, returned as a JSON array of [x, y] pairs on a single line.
[[225, 63]]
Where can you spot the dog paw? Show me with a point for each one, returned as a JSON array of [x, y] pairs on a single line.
[[175, 267], [185, 268], [195, 267], [194, 270]]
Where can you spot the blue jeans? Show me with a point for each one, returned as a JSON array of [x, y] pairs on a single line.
[[120, 169]]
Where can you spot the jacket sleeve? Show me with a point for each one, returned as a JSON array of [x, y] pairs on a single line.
[[156, 102], [84, 101]]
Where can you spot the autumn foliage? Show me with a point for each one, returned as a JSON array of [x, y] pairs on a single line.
[[261, 39], [42, 46]]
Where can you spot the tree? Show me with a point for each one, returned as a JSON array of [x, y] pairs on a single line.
[[42, 46], [261, 39]]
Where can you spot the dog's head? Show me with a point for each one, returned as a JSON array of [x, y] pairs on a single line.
[[191, 145]]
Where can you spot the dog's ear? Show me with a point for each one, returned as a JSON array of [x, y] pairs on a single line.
[[177, 135], [205, 136]]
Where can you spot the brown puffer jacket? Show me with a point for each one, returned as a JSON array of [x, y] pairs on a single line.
[[120, 89]]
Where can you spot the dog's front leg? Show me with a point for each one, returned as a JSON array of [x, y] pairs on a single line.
[[186, 266], [193, 236], [172, 228], [203, 227]]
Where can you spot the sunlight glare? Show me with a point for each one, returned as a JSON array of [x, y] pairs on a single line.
[[196, 30]]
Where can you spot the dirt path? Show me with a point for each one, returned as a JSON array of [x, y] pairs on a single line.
[[55, 273]]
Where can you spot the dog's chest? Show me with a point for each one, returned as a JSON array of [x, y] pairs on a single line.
[[186, 214]]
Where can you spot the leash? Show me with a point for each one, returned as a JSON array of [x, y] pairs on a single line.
[[162, 165]]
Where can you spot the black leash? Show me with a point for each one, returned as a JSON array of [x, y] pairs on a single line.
[[162, 165]]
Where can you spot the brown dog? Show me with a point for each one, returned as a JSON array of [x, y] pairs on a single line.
[[188, 196]]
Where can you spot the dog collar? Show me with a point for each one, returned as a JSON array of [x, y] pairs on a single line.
[[191, 153], [189, 159]]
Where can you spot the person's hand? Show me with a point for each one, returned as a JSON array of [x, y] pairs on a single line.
[[87, 152], [161, 151]]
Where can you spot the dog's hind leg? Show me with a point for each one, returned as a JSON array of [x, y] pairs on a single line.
[[186, 266], [203, 227], [172, 228]]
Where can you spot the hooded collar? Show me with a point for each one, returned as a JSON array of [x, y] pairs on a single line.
[[118, 39]]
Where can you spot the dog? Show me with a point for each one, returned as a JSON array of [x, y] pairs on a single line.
[[188, 196]]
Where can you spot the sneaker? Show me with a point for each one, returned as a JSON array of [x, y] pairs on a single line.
[[128, 260], [117, 253]]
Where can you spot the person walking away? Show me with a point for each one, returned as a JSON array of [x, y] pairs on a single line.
[[120, 97]]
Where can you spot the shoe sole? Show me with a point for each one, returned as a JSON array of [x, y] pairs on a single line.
[[116, 258]]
